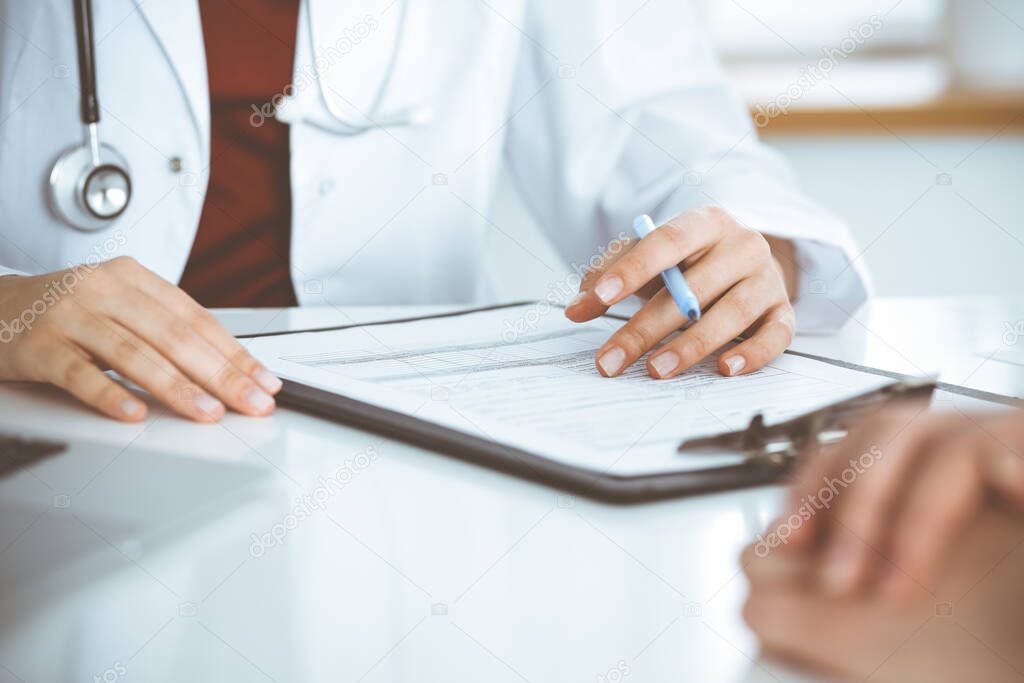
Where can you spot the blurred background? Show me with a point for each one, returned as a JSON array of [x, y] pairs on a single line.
[[915, 138]]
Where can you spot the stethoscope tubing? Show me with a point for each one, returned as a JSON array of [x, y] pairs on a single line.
[[72, 175], [84, 37]]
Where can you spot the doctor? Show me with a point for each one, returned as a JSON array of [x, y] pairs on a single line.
[[278, 152]]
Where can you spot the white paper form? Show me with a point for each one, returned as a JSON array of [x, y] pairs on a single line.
[[527, 378]]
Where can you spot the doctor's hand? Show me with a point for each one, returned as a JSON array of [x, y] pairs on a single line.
[[66, 327], [737, 274]]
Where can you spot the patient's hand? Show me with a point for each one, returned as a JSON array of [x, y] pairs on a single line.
[[905, 483], [742, 279], [900, 553], [968, 626]]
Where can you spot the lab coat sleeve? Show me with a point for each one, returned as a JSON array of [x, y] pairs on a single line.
[[617, 111], [10, 271]]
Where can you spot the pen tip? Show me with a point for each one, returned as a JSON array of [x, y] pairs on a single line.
[[693, 314]]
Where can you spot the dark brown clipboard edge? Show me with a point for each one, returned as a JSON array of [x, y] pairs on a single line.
[[606, 488]]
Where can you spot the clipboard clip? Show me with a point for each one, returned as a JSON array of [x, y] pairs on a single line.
[[780, 443]]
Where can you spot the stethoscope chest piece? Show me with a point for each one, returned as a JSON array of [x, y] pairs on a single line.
[[89, 192]]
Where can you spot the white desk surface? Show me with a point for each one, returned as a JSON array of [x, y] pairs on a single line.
[[131, 556]]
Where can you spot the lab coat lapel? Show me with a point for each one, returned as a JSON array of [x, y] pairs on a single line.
[[177, 26]]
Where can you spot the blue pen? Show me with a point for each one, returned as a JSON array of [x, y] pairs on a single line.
[[684, 297]]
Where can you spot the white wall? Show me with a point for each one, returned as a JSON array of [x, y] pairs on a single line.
[[918, 236], [967, 237]]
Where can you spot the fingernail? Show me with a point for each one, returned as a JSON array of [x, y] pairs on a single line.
[[611, 361], [258, 400], [577, 299], [838, 572], [664, 363], [735, 364], [608, 288], [130, 407], [209, 405], [268, 380]]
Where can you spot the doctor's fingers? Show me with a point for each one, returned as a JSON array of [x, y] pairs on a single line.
[[740, 308], [685, 238], [190, 352], [70, 368], [177, 302], [659, 318], [585, 306], [771, 336], [138, 361], [710, 278]]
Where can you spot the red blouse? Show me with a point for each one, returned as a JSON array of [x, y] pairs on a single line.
[[240, 256]]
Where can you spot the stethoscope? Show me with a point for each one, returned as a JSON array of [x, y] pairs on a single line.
[[413, 115], [90, 184]]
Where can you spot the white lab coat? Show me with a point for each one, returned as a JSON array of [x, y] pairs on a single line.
[[600, 111]]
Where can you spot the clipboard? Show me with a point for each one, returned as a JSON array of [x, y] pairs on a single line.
[[771, 451]]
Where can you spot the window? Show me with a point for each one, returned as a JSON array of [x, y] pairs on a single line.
[[873, 54], [797, 29]]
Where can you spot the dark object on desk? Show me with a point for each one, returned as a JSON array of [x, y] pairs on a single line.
[[17, 452], [786, 440], [609, 488]]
